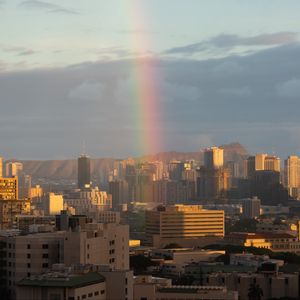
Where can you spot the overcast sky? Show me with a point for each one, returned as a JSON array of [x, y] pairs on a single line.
[[223, 71]]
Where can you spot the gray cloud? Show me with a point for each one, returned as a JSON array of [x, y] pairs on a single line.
[[47, 7], [229, 41], [21, 51], [290, 88], [252, 99]]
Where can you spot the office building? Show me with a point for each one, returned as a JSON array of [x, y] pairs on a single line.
[[98, 244], [62, 285], [154, 288], [292, 175], [9, 188], [213, 183], [1, 167], [84, 172], [9, 209], [119, 191], [186, 225], [13, 169], [251, 208], [213, 158], [53, 204]]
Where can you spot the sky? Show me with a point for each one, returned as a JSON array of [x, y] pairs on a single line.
[[167, 75]]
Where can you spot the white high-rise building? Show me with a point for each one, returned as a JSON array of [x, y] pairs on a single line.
[[13, 169]]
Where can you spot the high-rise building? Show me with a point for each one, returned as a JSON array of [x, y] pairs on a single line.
[[175, 169], [251, 208], [213, 157], [53, 204], [9, 188], [212, 183], [1, 167], [13, 169], [84, 172], [292, 175], [261, 162], [119, 192]]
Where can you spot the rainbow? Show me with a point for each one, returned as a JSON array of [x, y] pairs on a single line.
[[148, 111]]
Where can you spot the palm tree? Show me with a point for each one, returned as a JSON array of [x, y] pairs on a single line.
[[255, 292]]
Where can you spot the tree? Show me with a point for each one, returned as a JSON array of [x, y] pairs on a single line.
[[255, 292]]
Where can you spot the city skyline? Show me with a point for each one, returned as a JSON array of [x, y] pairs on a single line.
[[131, 78]]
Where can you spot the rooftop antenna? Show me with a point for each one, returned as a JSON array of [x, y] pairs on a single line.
[[83, 148]]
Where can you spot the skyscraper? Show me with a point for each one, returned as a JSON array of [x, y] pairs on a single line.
[[213, 158], [292, 175], [1, 167], [84, 171], [13, 169]]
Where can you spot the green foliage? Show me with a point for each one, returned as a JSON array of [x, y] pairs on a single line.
[[140, 263]]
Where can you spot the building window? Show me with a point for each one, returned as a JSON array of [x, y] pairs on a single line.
[[28, 266], [96, 293], [45, 255], [45, 246], [90, 295], [102, 292], [28, 246], [45, 265], [83, 297], [28, 274], [28, 255]]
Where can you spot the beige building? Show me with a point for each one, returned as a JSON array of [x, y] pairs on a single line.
[[264, 161], [28, 255], [292, 175], [119, 283], [13, 169], [98, 244], [153, 288], [53, 204], [60, 286], [1, 167], [89, 201], [187, 225], [273, 284], [213, 157], [9, 209], [277, 242], [9, 188]]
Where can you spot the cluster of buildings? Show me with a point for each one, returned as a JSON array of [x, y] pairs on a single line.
[[76, 243]]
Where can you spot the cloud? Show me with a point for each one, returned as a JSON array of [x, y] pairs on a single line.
[[290, 88], [229, 41], [88, 90], [21, 51], [47, 6], [252, 99]]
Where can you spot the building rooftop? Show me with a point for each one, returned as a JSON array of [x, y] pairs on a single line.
[[262, 235], [190, 289], [60, 280]]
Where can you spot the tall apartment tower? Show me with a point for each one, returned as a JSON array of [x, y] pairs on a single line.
[[84, 171], [1, 167], [292, 175], [213, 158], [261, 162], [13, 169]]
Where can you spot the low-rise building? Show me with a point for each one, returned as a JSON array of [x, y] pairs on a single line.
[[60, 286], [153, 288], [186, 225], [277, 242]]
